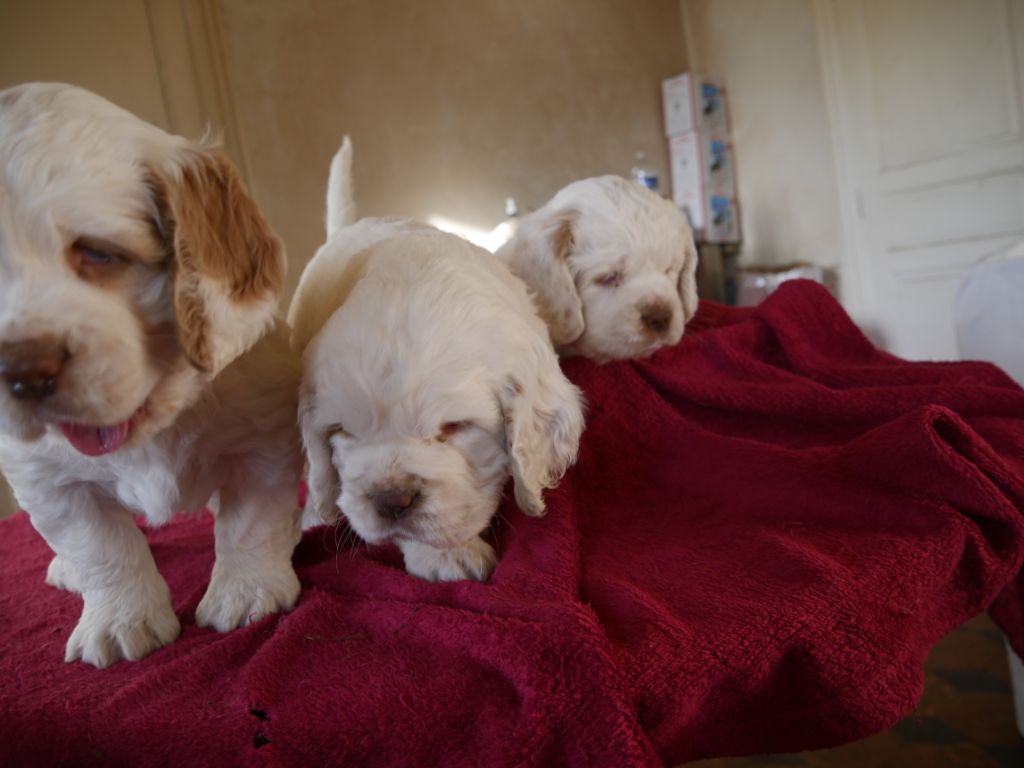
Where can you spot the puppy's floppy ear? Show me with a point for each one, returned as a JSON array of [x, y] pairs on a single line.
[[538, 255], [543, 422], [228, 265], [688, 278], [323, 484]]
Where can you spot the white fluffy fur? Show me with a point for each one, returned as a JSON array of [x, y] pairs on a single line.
[[404, 330], [73, 165], [600, 254]]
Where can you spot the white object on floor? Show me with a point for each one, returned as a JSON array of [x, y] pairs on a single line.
[[988, 314], [1017, 681]]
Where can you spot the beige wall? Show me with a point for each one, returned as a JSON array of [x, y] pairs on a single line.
[[452, 105], [103, 46], [768, 53]]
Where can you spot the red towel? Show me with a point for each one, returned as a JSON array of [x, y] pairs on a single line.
[[768, 528]]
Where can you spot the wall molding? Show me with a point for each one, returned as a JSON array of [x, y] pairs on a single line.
[[188, 44]]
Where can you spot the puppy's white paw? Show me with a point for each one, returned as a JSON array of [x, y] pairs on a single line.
[[61, 575], [115, 625], [474, 560], [235, 599]]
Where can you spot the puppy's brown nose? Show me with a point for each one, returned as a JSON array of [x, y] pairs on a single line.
[[656, 317], [30, 369], [394, 503]]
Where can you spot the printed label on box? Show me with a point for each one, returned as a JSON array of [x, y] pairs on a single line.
[[723, 222], [714, 218], [699, 165], [694, 103]]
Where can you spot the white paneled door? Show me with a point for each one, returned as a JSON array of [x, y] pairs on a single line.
[[926, 104]]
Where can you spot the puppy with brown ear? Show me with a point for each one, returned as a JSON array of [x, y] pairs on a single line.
[[428, 379], [612, 267], [142, 369]]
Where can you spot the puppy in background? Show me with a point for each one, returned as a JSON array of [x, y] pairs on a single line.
[[612, 267], [141, 366], [428, 378]]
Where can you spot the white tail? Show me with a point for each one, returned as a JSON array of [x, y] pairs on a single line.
[[341, 206]]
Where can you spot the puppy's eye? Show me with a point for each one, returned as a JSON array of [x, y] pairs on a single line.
[[451, 428], [609, 279], [93, 260]]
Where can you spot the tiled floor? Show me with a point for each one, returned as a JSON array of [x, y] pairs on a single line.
[[965, 717]]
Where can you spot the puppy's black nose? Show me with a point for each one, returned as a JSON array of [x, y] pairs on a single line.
[[30, 369], [656, 317], [394, 503]]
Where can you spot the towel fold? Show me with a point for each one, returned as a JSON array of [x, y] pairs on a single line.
[[769, 526]]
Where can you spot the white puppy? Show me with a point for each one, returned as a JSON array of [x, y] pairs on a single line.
[[428, 377], [612, 266], [141, 366]]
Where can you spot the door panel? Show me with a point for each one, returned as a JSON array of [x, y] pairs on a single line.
[[926, 103], [962, 75]]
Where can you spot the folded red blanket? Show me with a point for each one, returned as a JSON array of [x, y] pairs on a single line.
[[768, 528]]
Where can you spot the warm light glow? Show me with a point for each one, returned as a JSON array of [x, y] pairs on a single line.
[[492, 240]]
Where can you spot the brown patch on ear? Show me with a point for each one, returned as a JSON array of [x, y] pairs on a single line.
[[539, 255], [216, 234], [219, 231], [563, 239], [192, 329]]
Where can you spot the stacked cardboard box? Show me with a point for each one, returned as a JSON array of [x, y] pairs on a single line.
[[701, 155]]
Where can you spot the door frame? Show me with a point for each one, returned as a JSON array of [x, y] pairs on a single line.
[[854, 252]]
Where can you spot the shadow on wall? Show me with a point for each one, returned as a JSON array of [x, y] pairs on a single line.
[[7, 506]]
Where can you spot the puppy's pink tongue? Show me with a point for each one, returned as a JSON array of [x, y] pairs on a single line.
[[96, 441]]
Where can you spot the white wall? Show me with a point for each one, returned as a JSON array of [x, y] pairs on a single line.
[[767, 52]]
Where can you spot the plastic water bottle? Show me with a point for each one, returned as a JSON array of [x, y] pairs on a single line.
[[642, 174]]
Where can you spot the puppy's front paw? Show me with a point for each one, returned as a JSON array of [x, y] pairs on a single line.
[[61, 575], [115, 626], [474, 560], [235, 599]]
